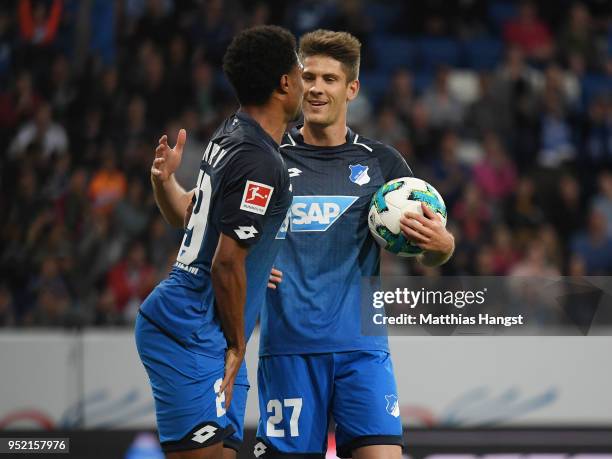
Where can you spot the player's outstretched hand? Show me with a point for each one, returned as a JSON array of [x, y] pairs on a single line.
[[427, 231], [233, 360], [167, 160], [276, 277]]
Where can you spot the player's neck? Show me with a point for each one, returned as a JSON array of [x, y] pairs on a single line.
[[271, 120], [324, 136]]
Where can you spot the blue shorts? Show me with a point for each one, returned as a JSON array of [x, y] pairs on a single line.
[[297, 394], [190, 415]]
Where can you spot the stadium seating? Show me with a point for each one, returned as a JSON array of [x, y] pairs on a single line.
[[434, 52], [392, 53], [483, 53]]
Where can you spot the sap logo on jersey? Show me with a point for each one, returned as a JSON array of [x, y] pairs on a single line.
[[315, 213]]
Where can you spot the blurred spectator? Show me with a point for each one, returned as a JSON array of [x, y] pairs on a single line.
[[130, 214], [73, 205], [472, 214], [594, 246], [495, 174], [57, 180], [62, 92], [400, 95], [109, 184], [53, 308], [352, 17], [535, 264], [529, 33], [602, 202], [444, 110], [105, 311], [7, 43], [421, 132], [212, 29], [156, 23], [557, 143], [178, 79], [360, 111], [597, 132], [504, 252], [131, 280], [488, 113], [7, 308], [447, 171], [135, 130], [548, 237], [29, 198], [160, 101], [110, 100], [515, 83], [388, 128], [565, 86], [20, 103], [566, 209], [577, 36], [204, 91], [99, 248], [524, 211], [43, 129], [485, 261], [39, 26], [162, 243], [307, 15]]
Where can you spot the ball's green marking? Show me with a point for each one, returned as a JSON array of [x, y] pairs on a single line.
[[378, 199], [429, 198], [397, 243]]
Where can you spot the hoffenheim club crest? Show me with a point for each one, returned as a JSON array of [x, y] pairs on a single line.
[[359, 174], [392, 405]]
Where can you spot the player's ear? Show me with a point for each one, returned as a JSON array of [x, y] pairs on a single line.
[[353, 90], [283, 87]]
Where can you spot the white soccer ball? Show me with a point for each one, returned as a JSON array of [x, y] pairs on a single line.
[[388, 205]]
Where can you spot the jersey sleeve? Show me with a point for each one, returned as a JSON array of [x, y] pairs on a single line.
[[393, 164], [247, 196]]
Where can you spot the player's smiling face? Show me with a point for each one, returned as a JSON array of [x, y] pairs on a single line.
[[326, 90]]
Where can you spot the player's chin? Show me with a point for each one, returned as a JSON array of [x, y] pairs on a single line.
[[316, 118]]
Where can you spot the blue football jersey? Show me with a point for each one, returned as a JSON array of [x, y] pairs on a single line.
[[328, 247], [243, 191]]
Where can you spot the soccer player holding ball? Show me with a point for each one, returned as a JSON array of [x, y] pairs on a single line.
[[314, 361], [191, 331]]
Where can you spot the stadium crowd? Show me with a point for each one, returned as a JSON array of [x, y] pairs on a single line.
[[505, 107]]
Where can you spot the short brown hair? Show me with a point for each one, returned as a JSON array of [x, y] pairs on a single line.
[[341, 46]]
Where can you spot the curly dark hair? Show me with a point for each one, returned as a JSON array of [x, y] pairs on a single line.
[[255, 61]]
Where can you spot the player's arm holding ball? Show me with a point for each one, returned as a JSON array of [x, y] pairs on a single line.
[[173, 201], [429, 233]]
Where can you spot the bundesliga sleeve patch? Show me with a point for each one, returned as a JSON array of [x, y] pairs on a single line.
[[256, 197]]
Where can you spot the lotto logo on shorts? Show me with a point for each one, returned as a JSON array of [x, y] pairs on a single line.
[[260, 449], [256, 197]]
